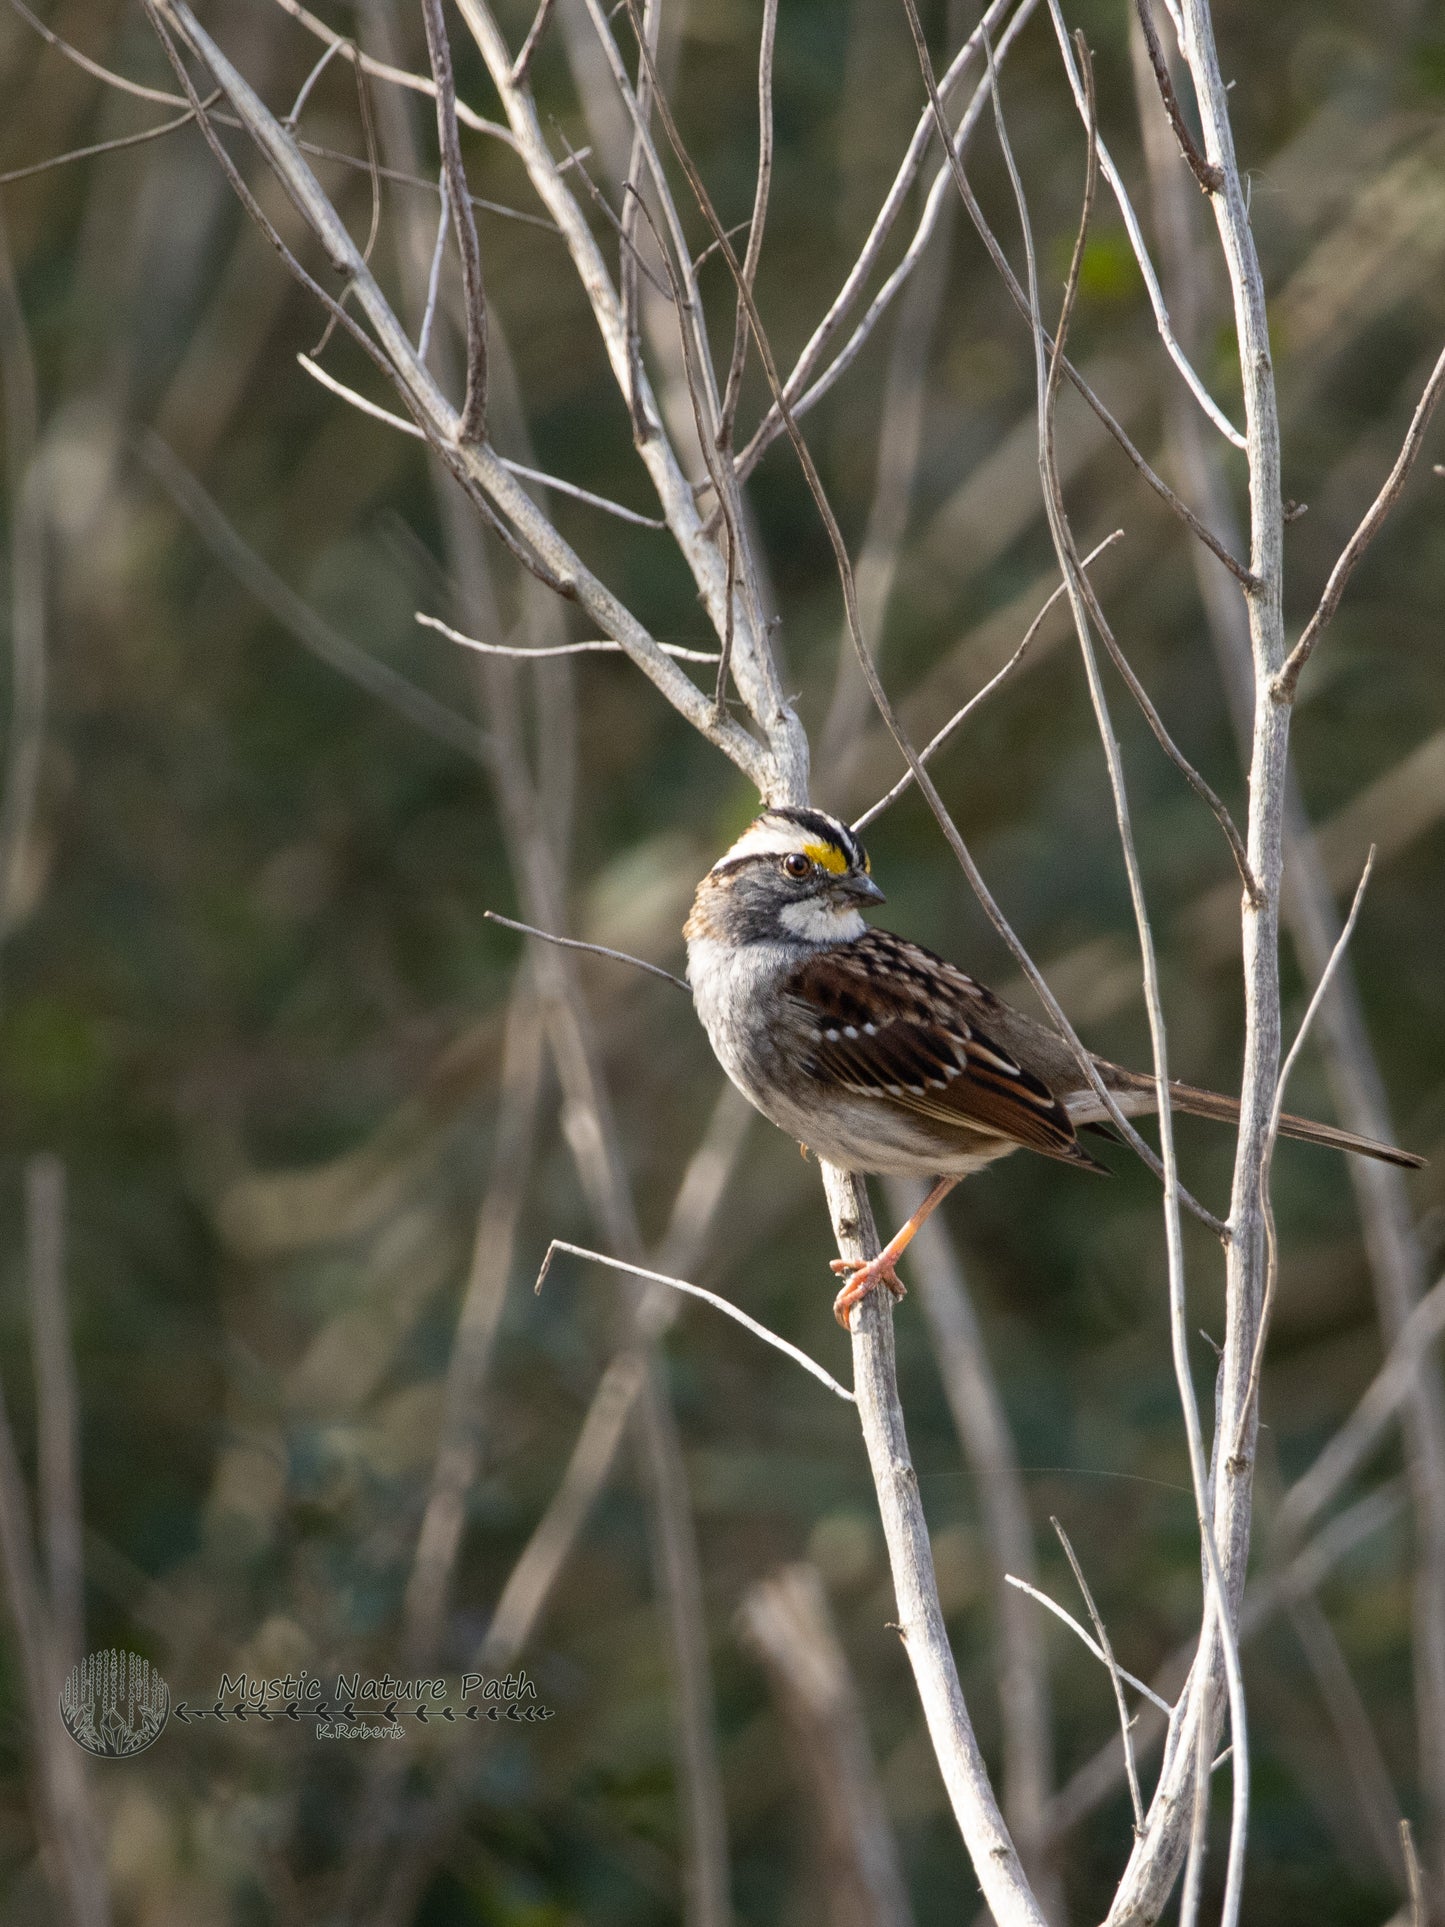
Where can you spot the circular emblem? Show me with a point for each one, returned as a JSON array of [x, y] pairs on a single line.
[[114, 1704]]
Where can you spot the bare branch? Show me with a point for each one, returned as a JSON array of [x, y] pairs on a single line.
[[328, 54], [383, 70], [434, 275], [1141, 252], [1060, 1612], [492, 488], [1397, 1261], [472, 426], [1287, 681], [1154, 1863], [920, 1617], [521, 66], [1048, 380], [782, 769], [755, 228], [100, 147], [525, 652], [960, 716], [1115, 1677], [802, 389], [575, 943], [1272, 1138], [724, 1305], [1209, 177], [1020, 300]]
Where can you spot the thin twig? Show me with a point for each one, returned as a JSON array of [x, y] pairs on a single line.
[[472, 426], [733, 1311], [1115, 1676], [733, 386], [434, 274], [1216, 805], [328, 54], [1062, 1612], [1287, 681], [1020, 300], [99, 147], [522, 64], [404, 427], [359, 401], [383, 70], [525, 652], [1271, 1592], [624, 224], [575, 943], [1162, 321], [960, 716], [801, 389], [1271, 1276], [1209, 177]]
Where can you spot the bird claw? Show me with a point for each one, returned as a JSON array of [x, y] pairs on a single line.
[[863, 1278]]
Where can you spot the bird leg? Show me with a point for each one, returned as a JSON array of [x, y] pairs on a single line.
[[867, 1275]]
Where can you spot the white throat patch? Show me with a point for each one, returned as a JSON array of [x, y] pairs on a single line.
[[822, 922]]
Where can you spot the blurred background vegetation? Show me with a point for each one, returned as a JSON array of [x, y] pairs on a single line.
[[248, 1000]]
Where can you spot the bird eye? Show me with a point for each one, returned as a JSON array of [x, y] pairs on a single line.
[[797, 866]]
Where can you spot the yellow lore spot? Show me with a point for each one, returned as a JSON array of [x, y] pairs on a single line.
[[827, 856]]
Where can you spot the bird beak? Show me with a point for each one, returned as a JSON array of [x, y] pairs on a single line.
[[860, 888]]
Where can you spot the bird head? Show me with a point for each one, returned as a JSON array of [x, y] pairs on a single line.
[[793, 874]]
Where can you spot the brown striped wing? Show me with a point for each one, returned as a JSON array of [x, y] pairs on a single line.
[[886, 1019]]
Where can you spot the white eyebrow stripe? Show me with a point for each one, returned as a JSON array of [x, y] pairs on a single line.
[[769, 839]]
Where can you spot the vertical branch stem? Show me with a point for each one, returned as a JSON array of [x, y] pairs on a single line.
[[1154, 1864], [473, 424]]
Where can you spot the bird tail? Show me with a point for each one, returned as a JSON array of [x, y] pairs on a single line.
[[1136, 1094]]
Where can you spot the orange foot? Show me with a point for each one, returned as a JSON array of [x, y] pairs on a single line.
[[862, 1278]]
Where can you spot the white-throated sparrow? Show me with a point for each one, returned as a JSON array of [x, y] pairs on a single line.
[[875, 1053]]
